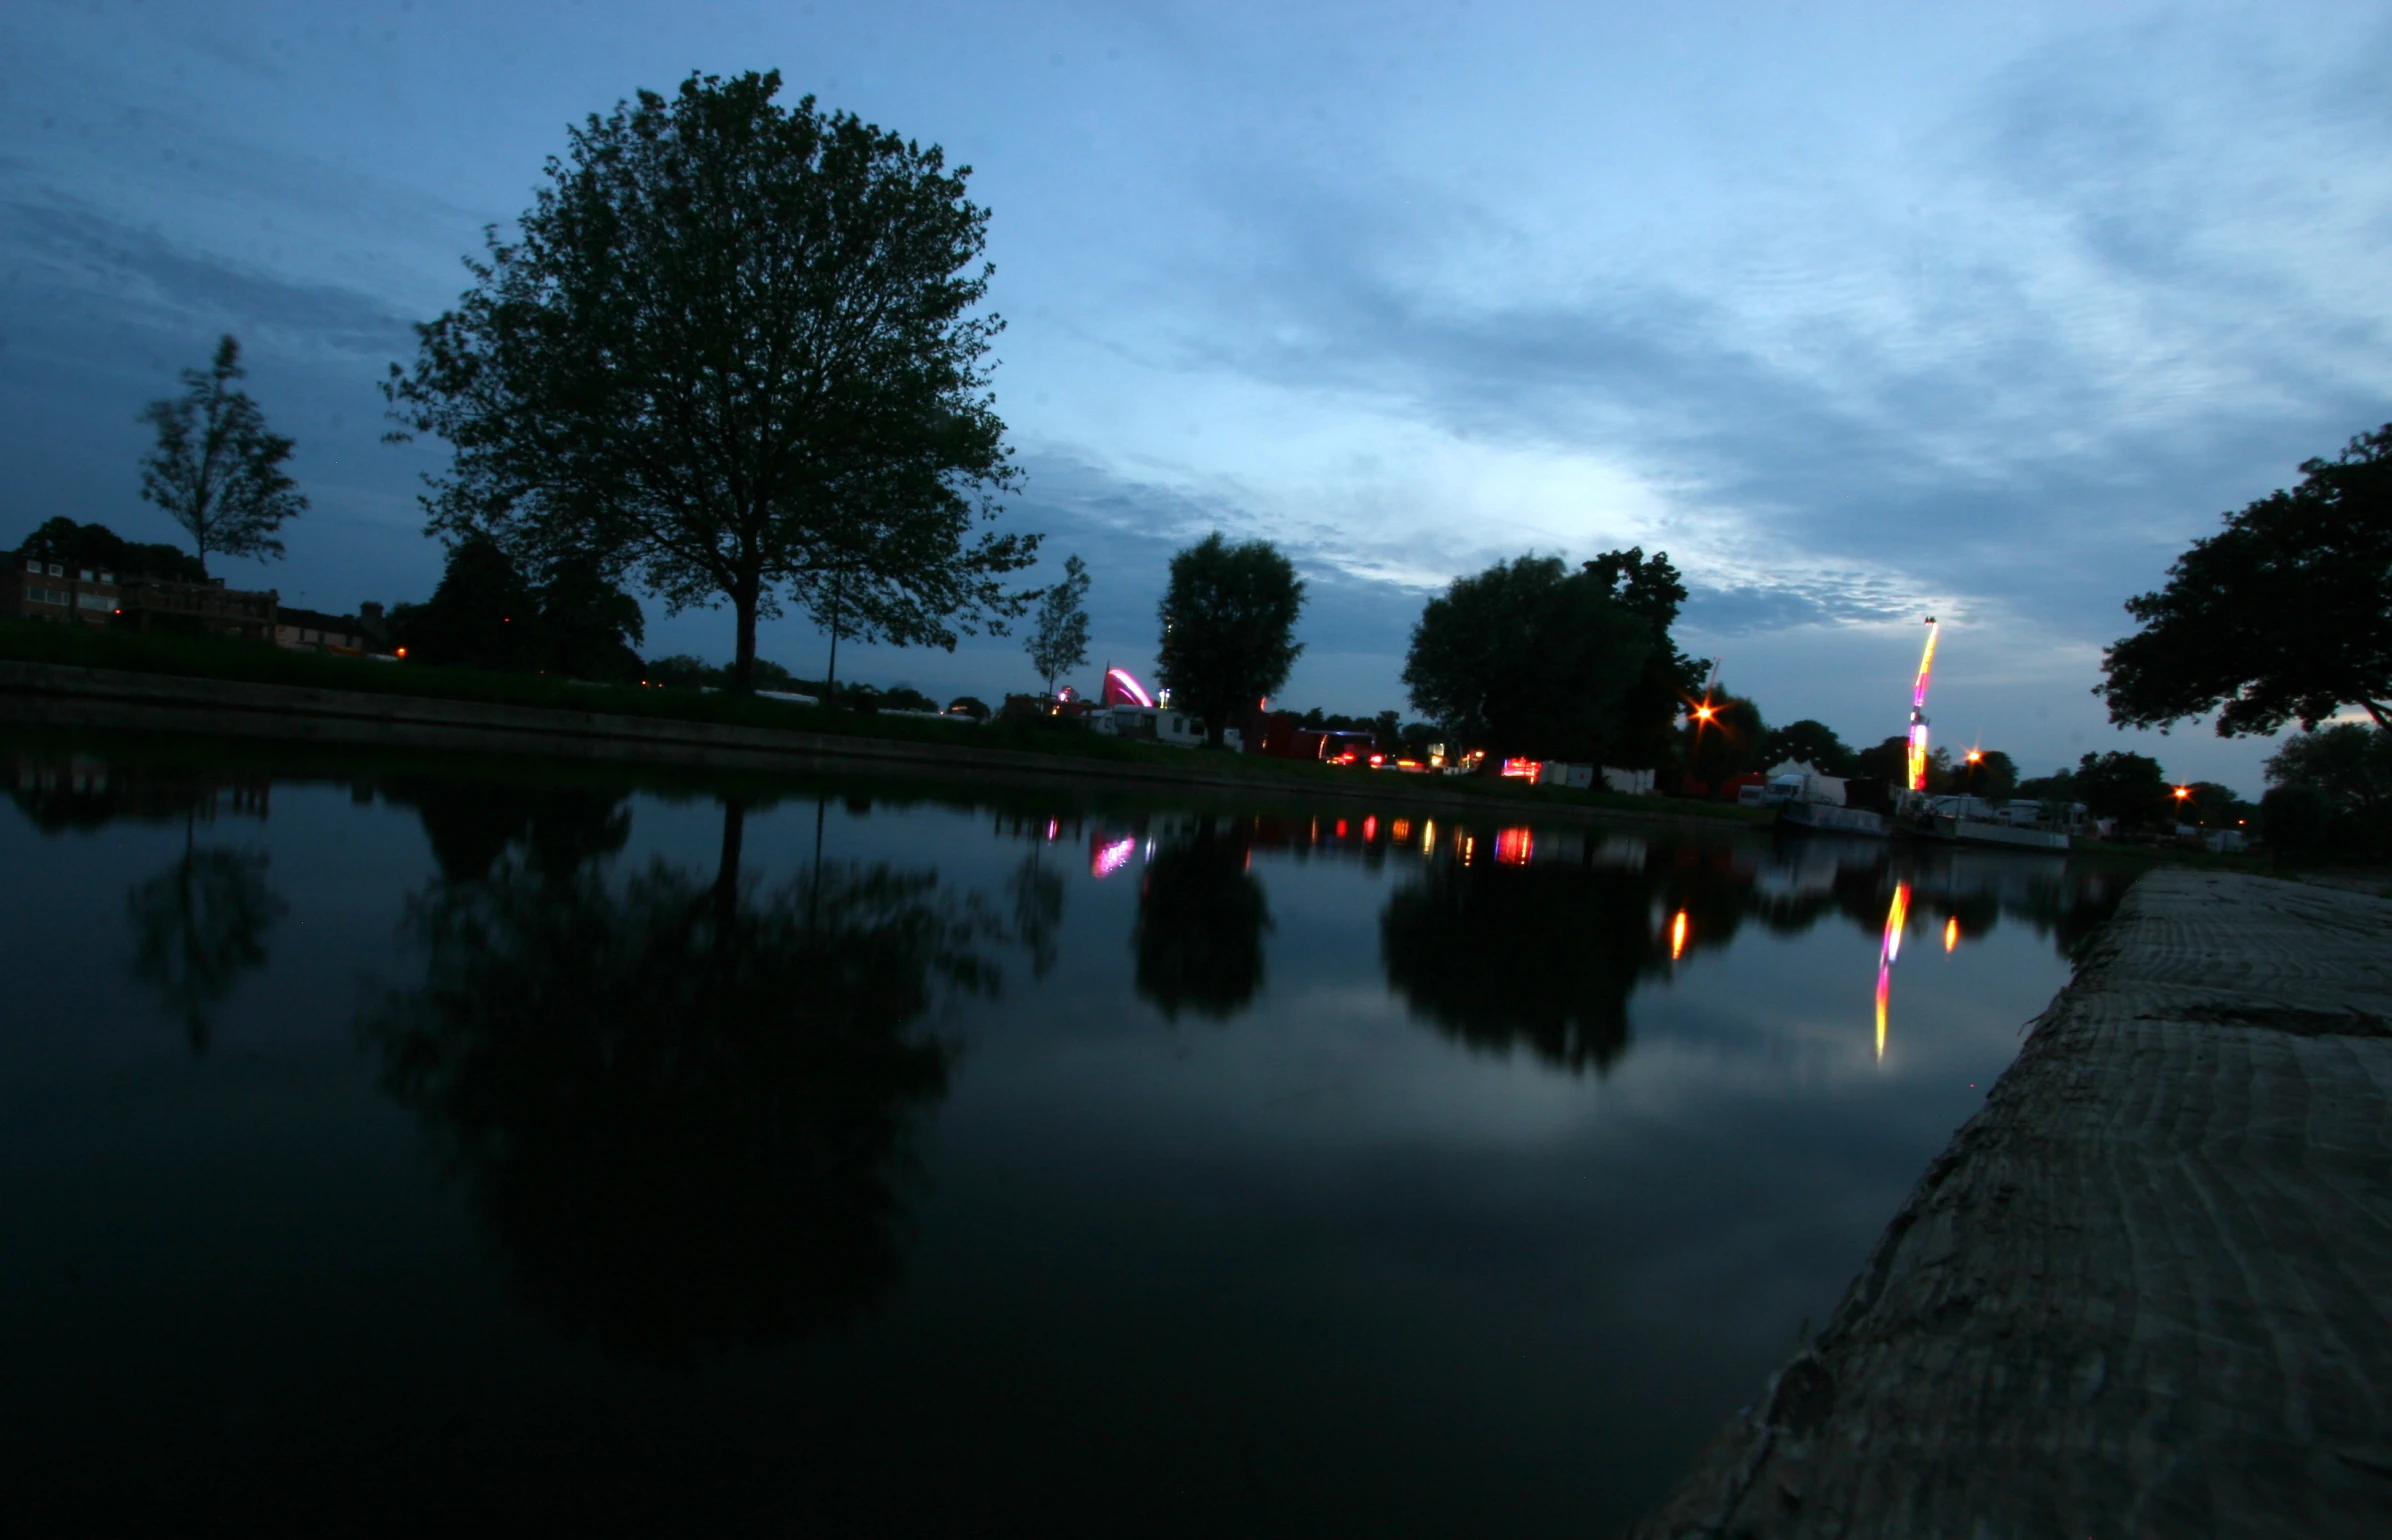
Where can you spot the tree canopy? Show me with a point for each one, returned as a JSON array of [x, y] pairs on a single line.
[[486, 614], [734, 348], [2332, 789], [2126, 786], [1649, 587], [1058, 640], [1728, 742], [102, 549], [1808, 742], [2285, 614], [1529, 658], [215, 469], [1994, 775], [1229, 628]]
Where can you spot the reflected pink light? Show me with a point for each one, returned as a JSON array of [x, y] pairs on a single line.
[[1897, 915], [1105, 860], [1513, 847]]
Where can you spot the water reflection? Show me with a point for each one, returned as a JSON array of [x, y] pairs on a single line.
[[1541, 956], [1201, 922], [686, 1106], [471, 823], [198, 926]]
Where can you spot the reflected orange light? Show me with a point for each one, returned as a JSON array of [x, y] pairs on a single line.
[[1400, 830], [1469, 847], [1951, 933], [1428, 836], [1677, 936]]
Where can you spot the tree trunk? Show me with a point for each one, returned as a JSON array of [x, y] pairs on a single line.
[[726, 871], [830, 678], [743, 658]]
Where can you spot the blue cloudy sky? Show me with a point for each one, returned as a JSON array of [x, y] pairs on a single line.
[[1861, 312]]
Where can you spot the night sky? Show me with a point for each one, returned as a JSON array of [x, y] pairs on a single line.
[[1862, 313]]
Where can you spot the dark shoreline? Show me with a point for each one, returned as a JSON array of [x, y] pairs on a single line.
[[2148, 1289], [67, 696]]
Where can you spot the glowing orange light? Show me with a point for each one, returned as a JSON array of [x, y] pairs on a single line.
[[2184, 793], [1703, 713], [1976, 757], [403, 653], [1401, 830], [1677, 936], [1952, 933]]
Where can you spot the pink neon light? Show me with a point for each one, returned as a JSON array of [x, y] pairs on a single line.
[[1918, 712], [1129, 686], [1105, 860]]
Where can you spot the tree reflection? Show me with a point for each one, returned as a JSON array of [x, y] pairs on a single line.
[[1037, 912], [1543, 956], [684, 1105], [198, 926], [470, 824], [1201, 920]]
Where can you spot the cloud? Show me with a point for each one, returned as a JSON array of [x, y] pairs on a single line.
[[73, 265], [2107, 322]]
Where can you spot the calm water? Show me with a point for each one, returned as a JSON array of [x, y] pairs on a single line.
[[437, 1144]]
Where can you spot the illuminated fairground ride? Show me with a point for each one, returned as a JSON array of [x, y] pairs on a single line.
[[1918, 712]]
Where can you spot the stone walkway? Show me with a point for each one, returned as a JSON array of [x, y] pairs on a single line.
[[2148, 1289]]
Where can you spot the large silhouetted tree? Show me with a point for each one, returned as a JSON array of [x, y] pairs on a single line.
[[1229, 628], [1807, 742], [1648, 587], [2284, 615], [734, 347], [1528, 657], [215, 469]]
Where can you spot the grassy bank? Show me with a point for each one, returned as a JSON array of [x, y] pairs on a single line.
[[251, 663]]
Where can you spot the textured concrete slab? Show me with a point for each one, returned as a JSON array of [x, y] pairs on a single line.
[[2148, 1289]]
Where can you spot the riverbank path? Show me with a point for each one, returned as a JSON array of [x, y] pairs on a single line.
[[2147, 1291]]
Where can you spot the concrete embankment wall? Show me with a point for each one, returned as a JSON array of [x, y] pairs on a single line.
[[87, 697], [2148, 1289]]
